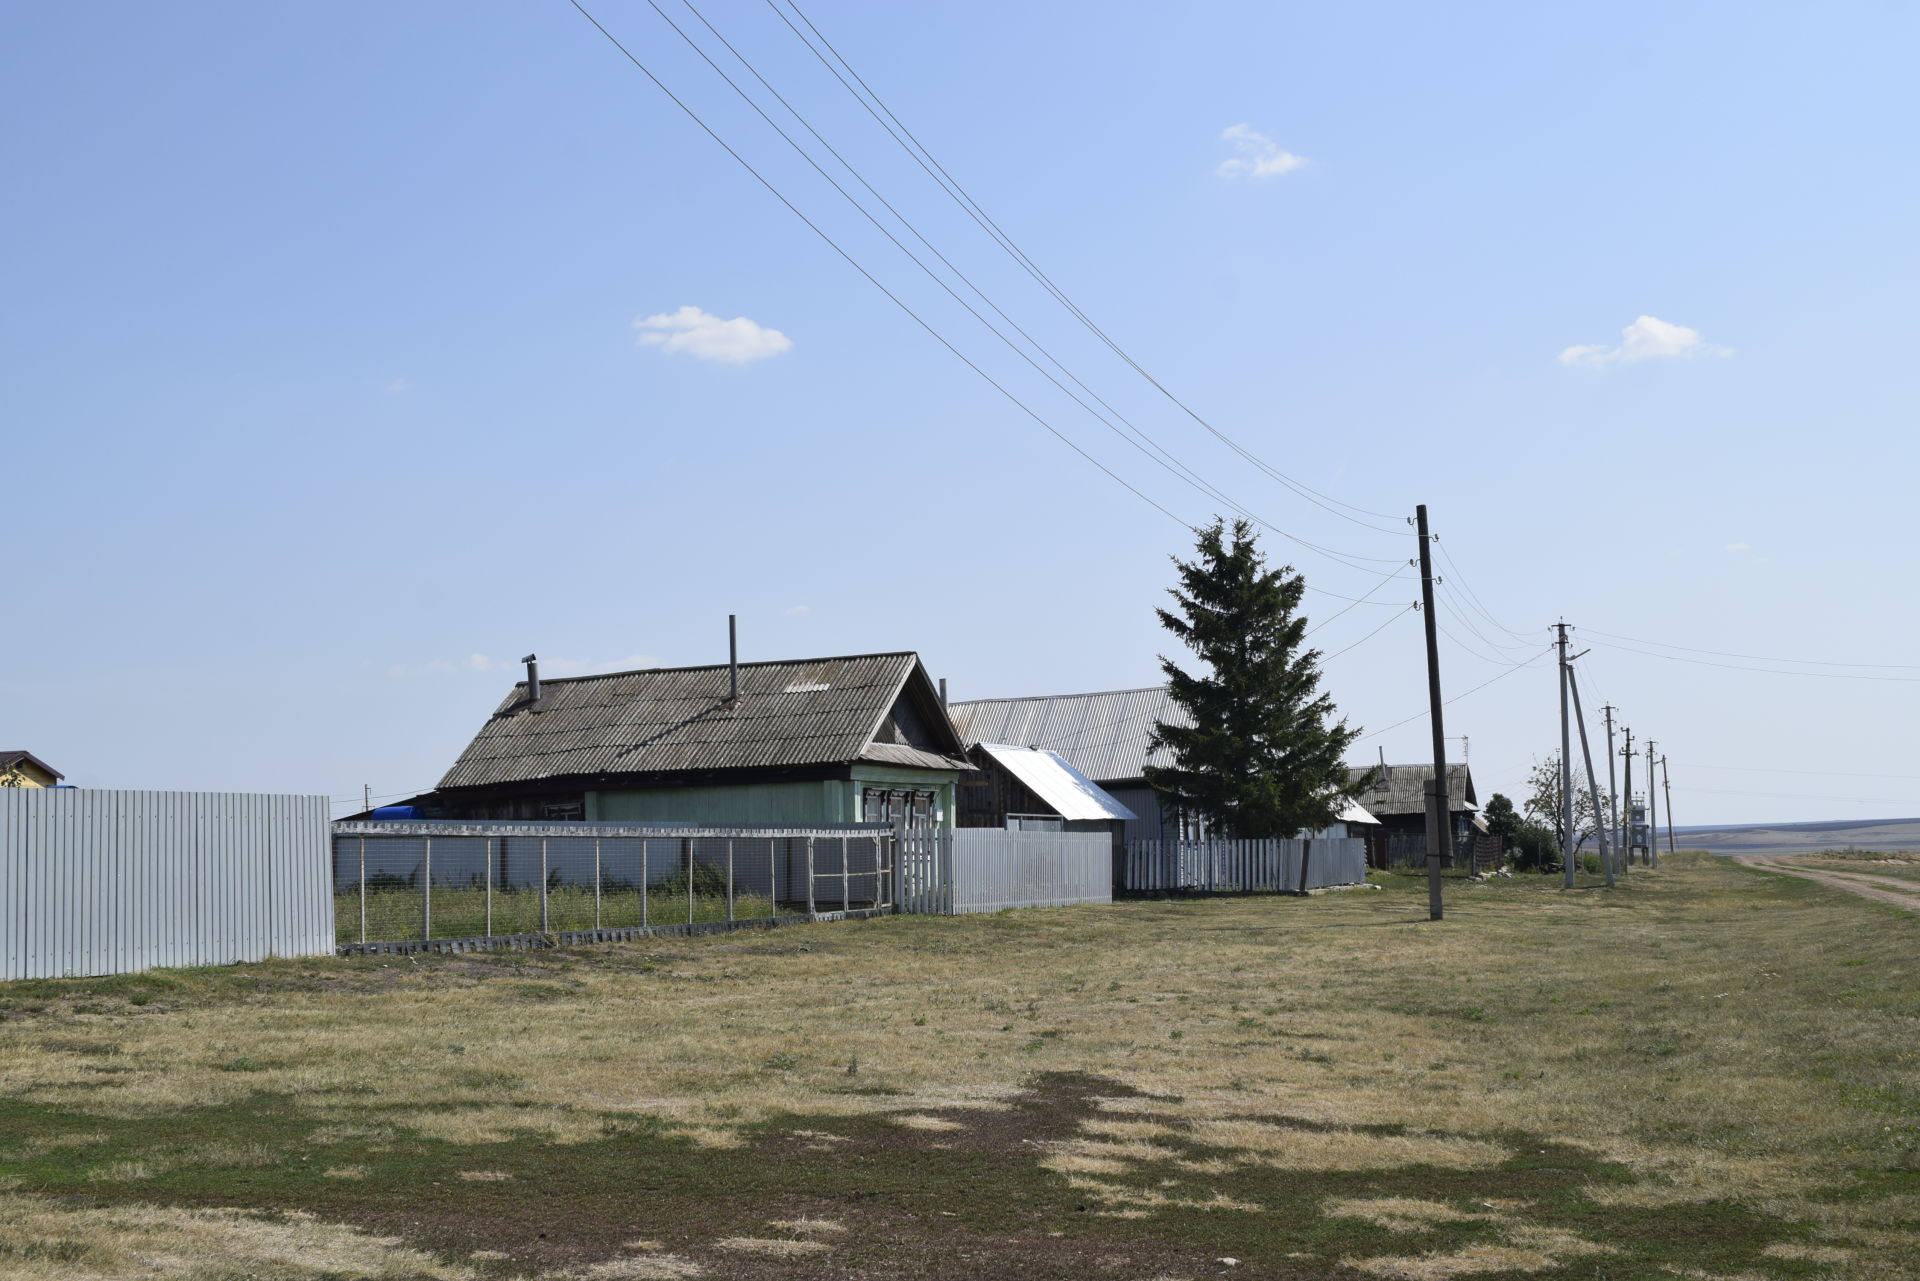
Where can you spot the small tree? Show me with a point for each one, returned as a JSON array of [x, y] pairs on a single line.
[[1264, 755], [1543, 803]]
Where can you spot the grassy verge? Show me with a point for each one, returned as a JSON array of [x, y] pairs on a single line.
[[395, 913], [1709, 1072]]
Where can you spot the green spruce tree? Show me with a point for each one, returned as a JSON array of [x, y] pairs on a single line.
[[1264, 755]]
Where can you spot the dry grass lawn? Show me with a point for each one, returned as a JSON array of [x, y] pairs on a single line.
[[1711, 1071]]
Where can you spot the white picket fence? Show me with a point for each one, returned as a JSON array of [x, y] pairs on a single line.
[[1243, 867], [985, 869]]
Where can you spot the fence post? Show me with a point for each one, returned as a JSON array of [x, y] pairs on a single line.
[[596, 882], [688, 844], [543, 886], [363, 889], [426, 889], [1306, 851], [643, 882], [489, 875], [729, 878], [846, 874], [773, 871], [810, 907]]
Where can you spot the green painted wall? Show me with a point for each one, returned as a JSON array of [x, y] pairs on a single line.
[[819, 801], [756, 803]]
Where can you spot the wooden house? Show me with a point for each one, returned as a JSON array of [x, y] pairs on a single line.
[[1397, 799], [859, 738]]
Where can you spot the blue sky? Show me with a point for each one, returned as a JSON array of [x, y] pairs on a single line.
[[325, 398]]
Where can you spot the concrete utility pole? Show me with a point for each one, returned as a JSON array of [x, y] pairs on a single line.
[[1437, 788], [1614, 809], [1566, 767], [1666, 785], [1593, 784], [1626, 792], [1653, 821]]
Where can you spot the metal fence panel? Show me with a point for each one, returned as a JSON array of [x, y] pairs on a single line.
[[985, 869], [1243, 867], [418, 882], [111, 881]]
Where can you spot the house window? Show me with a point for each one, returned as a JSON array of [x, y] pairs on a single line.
[[898, 807], [1036, 823]]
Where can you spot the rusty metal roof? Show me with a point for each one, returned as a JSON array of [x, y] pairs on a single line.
[[1104, 736], [800, 712]]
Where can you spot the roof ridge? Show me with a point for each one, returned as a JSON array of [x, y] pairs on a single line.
[[721, 667], [1036, 698]]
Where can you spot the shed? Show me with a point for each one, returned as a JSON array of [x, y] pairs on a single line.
[[1034, 789], [1105, 736]]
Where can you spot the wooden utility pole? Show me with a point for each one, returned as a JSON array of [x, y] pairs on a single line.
[[1593, 784], [1437, 788], [1653, 820], [1566, 767], [1666, 785]]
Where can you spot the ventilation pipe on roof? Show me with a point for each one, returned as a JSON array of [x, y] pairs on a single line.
[[733, 661], [943, 693], [533, 679]]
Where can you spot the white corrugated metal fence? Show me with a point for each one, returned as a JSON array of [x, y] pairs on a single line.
[[1271, 866], [109, 882], [985, 869]]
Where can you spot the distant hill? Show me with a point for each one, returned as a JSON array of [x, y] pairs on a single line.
[[1802, 838]]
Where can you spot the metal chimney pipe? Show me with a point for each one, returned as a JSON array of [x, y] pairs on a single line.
[[943, 693], [733, 659], [533, 678]]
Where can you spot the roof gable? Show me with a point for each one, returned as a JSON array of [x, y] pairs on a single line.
[[675, 720], [8, 760]]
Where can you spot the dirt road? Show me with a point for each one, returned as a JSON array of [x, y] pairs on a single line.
[[1885, 889]]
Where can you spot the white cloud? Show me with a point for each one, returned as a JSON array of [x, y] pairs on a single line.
[[397, 386], [1647, 338], [707, 337], [1259, 156], [799, 609]]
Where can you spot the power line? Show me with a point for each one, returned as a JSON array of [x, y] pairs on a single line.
[[1391, 619], [1146, 444], [972, 208], [1758, 658], [1171, 464], [1767, 671], [1475, 596], [1532, 662], [1393, 577], [871, 279]]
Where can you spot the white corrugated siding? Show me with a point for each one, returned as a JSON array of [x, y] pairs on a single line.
[[109, 882]]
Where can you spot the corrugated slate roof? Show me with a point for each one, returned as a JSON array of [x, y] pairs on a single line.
[[1401, 789], [798, 712], [1104, 736]]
